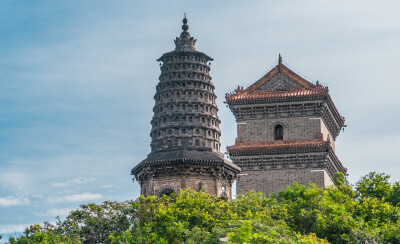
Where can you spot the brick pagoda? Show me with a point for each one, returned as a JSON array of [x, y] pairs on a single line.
[[286, 128], [185, 134]]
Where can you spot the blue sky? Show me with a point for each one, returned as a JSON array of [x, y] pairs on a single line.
[[77, 80]]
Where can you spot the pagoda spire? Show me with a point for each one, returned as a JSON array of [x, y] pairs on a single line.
[[185, 42], [185, 26]]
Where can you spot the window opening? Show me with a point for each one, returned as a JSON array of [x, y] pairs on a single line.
[[278, 132]]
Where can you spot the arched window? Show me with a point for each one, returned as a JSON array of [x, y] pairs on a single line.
[[278, 132], [167, 192]]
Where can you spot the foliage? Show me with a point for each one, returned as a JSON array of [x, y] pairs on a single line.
[[299, 214], [374, 185]]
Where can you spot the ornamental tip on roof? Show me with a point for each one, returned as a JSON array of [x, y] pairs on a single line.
[[185, 42]]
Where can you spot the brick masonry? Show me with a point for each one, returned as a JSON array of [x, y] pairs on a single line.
[[310, 122], [270, 181], [210, 185]]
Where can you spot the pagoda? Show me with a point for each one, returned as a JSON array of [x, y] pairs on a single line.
[[286, 132], [185, 134]]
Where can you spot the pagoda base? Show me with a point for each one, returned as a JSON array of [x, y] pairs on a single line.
[[166, 172]]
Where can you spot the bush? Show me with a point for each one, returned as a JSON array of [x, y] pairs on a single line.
[[299, 214]]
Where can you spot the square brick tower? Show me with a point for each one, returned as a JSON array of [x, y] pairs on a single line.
[[286, 131]]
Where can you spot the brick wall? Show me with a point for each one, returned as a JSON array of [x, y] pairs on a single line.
[[269, 181], [293, 128], [209, 185]]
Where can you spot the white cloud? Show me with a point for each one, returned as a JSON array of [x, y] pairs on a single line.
[[5, 229], [13, 201], [76, 181], [55, 212], [75, 198], [16, 181]]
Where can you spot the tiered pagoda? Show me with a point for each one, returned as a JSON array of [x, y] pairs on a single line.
[[286, 128], [185, 134]]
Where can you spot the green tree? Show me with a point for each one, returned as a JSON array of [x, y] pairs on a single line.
[[374, 185], [298, 214], [394, 197]]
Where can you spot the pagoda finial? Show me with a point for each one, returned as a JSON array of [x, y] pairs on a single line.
[[185, 27], [185, 42], [280, 59]]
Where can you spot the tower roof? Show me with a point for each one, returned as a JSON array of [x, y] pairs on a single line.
[[279, 81], [280, 84]]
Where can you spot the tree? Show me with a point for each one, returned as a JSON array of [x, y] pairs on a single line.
[[298, 214], [374, 185]]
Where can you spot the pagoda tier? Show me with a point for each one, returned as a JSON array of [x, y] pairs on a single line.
[[294, 95], [185, 134]]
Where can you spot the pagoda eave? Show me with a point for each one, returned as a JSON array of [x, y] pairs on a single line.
[[184, 52]]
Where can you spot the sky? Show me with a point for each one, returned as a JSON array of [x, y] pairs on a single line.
[[77, 80]]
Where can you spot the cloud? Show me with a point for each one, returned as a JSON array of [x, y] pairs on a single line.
[[13, 201], [5, 229], [76, 181], [17, 181], [55, 212], [75, 198]]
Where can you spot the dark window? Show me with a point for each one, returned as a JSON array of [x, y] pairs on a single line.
[[278, 132], [166, 192], [201, 187]]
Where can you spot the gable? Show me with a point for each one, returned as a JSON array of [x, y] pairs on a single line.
[[280, 82], [280, 78]]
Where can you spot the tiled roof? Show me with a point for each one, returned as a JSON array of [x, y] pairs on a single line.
[[262, 94], [184, 156], [307, 90], [281, 68], [252, 92], [277, 145], [284, 146]]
